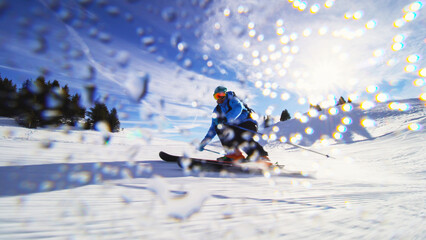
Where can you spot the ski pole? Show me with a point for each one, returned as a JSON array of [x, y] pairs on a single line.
[[208, 150], [292, 144], [310, 150]]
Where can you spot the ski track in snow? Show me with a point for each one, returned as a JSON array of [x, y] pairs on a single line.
[[63, 184]]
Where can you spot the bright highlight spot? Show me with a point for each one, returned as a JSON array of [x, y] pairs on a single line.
[[341, 128], [226, 12], [333, 111], [329, 3], [347, 107], [368, 123], [315, 8], [399, 23], [275, 129], [419, 82], [372, 89], [309, 130], [371, 24], [346, 120], [413, 58], [422, 97], [410, 68], [382, 97], [337, 135], [378, 52], [397, 46], [358, 15], [422, 72], [398, 38], [410, 16], [367, 105], [415, 6], [414, 126]]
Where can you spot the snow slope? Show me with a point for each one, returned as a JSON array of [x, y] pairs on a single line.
[[63, 183]]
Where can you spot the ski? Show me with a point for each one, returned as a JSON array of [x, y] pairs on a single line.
[[198, 164], [194, 163]]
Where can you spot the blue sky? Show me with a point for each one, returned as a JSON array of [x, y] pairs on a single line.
[[277, 54]]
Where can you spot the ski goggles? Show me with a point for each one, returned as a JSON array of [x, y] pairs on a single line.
[[219, 95]]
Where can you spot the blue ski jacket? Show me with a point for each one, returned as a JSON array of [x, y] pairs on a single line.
[[232, 111]]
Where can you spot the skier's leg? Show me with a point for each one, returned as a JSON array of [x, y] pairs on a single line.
[[253, 149]]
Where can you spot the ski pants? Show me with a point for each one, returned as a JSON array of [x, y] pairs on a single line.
[[241, 136]]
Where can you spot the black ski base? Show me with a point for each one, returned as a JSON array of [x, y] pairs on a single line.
[[198, 163]]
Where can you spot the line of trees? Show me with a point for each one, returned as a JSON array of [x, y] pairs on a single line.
[[39, 103]]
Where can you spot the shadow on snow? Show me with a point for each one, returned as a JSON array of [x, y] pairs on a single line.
[[28, 179]]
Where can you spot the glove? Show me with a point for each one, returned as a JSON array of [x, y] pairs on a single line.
[[201, 147]]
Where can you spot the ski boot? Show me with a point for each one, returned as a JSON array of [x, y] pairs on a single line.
[[234, 156]]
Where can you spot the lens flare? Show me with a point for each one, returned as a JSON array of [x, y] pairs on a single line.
[[315, 8], [366, 105], [413, 58], [341, 128], [371, 24], [419, 82], [403, 107], [358, 15], [422, 72], [227, 12], [347, 107], [368, 122], [309, 130], [414, 126], [422, 97], [399, 23], [410, 68], [275, 129], [410, 16], [347, 120], [415, 6], [337, 135], [372, 89], [333, 111], [329, 3], [382, 97], [397, 46]]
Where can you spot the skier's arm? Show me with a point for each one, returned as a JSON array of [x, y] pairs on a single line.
[[237, 108], [211, 133]]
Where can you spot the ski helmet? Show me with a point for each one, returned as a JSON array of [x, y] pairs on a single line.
[[220, 89]]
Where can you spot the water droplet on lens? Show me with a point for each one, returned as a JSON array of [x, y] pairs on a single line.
[[88, 95], [148, 40], [39, 45], [104, 37], [123, 58], [89, 73], [169, 14], [137, 86], [113, 11], [187, 63], [140, 31]]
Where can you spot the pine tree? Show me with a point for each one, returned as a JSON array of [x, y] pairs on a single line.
[[8, 98], [113, 121], [285, 115], [100, 113]]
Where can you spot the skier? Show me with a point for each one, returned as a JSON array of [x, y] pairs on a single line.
[[235, 127]]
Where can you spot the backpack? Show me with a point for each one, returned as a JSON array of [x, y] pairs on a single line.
[[247, 108]]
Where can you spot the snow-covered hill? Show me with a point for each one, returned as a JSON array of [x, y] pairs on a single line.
[[63, 183]]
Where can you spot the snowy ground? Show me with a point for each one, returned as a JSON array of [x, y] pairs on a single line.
[[67, 184]]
